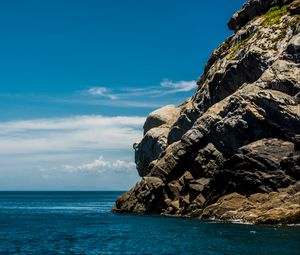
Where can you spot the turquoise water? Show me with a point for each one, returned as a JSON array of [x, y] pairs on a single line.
[[82, 223]]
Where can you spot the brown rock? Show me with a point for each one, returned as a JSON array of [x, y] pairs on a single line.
[[175, 189], [185, 178], [275, 208], [199, 201], [175, 204]]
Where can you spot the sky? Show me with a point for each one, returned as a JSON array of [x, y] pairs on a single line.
[[79, 77]]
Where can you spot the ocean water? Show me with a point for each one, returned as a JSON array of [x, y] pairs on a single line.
[[82, 223]]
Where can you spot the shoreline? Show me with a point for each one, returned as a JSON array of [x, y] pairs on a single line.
[[212, 221]]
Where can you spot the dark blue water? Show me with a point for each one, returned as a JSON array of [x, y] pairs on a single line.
[[82, 223]]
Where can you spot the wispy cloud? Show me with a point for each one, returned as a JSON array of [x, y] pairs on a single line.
[[101, 91], [148, 97], [166, 87], [69, 134], [180, 86]]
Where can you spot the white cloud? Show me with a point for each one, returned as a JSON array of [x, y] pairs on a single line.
[[100, 165], [65, 135], [101, 91], [166, 87], [180, 86]]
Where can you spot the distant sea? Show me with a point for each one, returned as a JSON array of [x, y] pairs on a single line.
[[82, 223]]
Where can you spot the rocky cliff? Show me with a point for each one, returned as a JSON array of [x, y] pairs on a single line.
[[232, 151]]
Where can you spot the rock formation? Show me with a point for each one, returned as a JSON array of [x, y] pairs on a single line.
[[232, 151]]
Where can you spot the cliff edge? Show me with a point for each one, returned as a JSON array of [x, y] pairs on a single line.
[[232, 151]]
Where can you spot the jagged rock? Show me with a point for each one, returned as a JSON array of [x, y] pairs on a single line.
[[232, 149], [199, 201], [206, 160], [197, 186], [175, 204], [174, 189], [186, 178], [252, 9], [195, 207]]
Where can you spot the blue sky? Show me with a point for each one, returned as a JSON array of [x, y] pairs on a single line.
[[78, 78]]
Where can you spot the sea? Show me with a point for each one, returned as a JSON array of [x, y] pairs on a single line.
[[83, 223]]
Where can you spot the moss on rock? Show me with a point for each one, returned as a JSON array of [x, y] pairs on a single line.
[[274, 15]]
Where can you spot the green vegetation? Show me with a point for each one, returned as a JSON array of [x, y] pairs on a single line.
[[274, 15], [282, 34], [235, 49]]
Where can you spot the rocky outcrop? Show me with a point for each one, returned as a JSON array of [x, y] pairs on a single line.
[[281, 207], [154, 142], [238, 137], [253, 9]]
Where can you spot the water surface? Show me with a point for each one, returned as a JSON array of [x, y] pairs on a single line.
[[82, 223]]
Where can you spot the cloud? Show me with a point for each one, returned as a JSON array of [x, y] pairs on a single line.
[[100, 165], [61, 153], [166, 87], [148, 97], [65, 135], [180, 86], [101, 91]]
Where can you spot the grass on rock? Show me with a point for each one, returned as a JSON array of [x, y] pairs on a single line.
[[274, 15]]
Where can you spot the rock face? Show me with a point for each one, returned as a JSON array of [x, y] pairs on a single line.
[[156, 130], [232, 151]]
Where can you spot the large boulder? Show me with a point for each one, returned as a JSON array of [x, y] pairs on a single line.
[[150, 148], [164, 116], [156, 130]]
